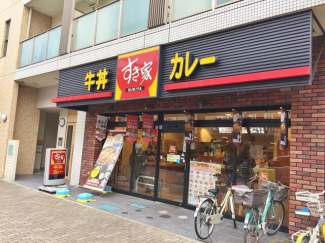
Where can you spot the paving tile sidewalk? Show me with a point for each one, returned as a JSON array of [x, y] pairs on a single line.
[[181, 221], [30, 216]]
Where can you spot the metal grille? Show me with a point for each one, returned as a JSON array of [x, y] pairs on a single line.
[[157, 13]]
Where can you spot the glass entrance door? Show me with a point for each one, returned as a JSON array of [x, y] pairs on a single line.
[[144, 166], [171, 167]]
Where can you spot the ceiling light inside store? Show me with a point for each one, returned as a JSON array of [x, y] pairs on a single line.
[[228, 114]]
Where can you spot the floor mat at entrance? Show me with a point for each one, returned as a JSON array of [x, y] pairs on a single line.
[[137, 206], [108, 207]]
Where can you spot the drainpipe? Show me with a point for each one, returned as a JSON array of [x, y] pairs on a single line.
[[29, 20]]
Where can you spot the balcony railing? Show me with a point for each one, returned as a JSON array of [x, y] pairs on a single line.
[[40, 47], [113, 21]]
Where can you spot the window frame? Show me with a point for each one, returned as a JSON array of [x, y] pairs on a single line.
[[6, 38], [187, 16]]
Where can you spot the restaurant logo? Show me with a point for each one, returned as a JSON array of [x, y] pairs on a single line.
[[137, 74], [186, 67], [57, 164], [100, 83]]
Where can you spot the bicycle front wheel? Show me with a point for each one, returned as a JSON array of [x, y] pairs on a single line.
[[203, 228], [274, 218], [251, 234]]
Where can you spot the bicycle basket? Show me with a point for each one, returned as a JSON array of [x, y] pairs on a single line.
[[281, 193], [253, 198], [307, 196], [316, 208]]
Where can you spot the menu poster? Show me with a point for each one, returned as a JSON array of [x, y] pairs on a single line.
[[105, 163], [147, 128], [101, 127], [189, 127], [131, 128], [237, 128], [284, 129], [201, 180]]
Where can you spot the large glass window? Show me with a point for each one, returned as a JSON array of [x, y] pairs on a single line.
[[39, 48], [260, 153], [26, 53], [85, 30], [53, 43], [108, 22], [172, 167], [135, 16], [174, 117], [184, 8]]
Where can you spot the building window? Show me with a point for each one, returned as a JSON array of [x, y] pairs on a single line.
[[5, 47], [184, 8], [135, 16]]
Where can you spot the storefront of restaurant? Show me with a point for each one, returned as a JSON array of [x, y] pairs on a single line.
[[191, 91]]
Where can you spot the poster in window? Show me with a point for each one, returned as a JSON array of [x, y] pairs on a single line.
[[147, 128], [201, 179], [39, 146], [284, 129], [131, 128], [105, 163], [101, 126], [237, 128], [189, 127]]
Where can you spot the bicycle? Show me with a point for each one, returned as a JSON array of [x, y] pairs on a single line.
[[315, 207], [269, 219], [208, 212]]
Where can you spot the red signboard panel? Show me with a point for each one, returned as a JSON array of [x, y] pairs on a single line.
[[137, 74], [57, 163]]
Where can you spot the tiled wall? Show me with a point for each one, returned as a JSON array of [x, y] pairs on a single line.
[[230, 16], [26, 129], [307, 127], [39, 23], [13, 10]]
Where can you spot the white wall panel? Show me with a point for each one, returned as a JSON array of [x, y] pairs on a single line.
[[62, 130], [78, 148]]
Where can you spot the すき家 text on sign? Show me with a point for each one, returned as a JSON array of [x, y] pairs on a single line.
[[137, 74]]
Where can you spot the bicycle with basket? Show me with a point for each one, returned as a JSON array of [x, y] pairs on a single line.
[[315, 207], [258, 220]]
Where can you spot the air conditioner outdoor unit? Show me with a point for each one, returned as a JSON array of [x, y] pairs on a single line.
[[89, 2]]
